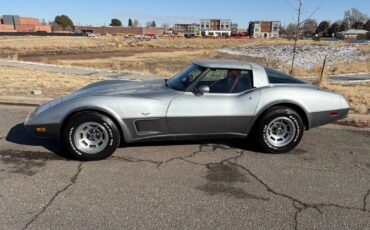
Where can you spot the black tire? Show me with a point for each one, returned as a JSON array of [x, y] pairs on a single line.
[[105, 131], [262, 132]]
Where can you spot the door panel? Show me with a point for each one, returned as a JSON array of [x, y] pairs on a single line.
[[211, 113]]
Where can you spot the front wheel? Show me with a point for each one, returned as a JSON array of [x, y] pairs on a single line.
[[91, 136], [279, 130]]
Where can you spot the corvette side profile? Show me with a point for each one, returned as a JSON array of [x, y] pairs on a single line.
[[208, 99]]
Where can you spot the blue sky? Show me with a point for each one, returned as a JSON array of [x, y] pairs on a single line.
[[99, 12]]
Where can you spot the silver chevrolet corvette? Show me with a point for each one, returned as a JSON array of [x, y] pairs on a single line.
[[208, 99]]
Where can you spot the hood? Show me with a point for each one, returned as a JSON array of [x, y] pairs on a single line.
[[122, 87]]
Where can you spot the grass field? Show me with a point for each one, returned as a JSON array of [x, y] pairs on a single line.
[[147, 59], [119, 54], [19, 82], [14, 47]]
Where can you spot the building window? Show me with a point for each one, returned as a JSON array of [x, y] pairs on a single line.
[[275, 28]]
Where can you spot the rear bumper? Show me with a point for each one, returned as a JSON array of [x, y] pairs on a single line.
[[326, 117]]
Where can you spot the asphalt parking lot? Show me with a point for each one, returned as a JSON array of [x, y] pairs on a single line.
[[324, 183]]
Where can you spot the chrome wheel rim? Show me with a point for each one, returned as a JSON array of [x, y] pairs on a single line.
[[280, 131], [91, 137]]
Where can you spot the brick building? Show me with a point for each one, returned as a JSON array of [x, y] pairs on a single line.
[[353, 34], [264, 29], [14, 23]]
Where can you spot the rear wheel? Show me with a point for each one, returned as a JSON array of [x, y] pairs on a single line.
[[91, 136], [279, 130]]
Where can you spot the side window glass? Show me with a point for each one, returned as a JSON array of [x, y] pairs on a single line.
[[213, 75], [227, 80], [276, 77]]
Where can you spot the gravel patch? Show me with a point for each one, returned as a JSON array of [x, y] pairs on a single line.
[[307, 55]]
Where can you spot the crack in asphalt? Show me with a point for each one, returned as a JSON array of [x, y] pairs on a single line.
[[160, 163], [302, 205], [297, 204], [73, 180], [365, 200], [357, 165]]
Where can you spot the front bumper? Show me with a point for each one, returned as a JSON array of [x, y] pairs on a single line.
[[51, 130]]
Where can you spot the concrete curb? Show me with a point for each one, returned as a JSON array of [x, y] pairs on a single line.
[[19, 104]]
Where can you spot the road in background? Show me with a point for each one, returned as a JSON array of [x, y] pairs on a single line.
[[62, 69], [324, 183]]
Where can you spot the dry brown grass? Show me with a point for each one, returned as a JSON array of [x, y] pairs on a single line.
[[163, 64], [19, 82], [20, 45], [365, 50], [358, 95], [199, 43], [358, 67], [16, 45], [23, 45]]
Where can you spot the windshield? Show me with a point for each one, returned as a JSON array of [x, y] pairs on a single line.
[[182, 80]]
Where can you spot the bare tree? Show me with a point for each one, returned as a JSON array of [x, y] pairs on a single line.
[[309, 27], [299, 10], [151, 24], [290, 30], [354, 16], [299, 13], [165, 25]]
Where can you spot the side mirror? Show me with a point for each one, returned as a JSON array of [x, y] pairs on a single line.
[[202, 89]]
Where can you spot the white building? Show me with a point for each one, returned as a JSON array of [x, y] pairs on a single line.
[[217, 27], [264, 29]]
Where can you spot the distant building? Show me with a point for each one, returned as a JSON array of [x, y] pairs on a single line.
[[264, 29], [5, 27], [14, 23], [353, 34], [186, 29], [217, 27], [104, 30]]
